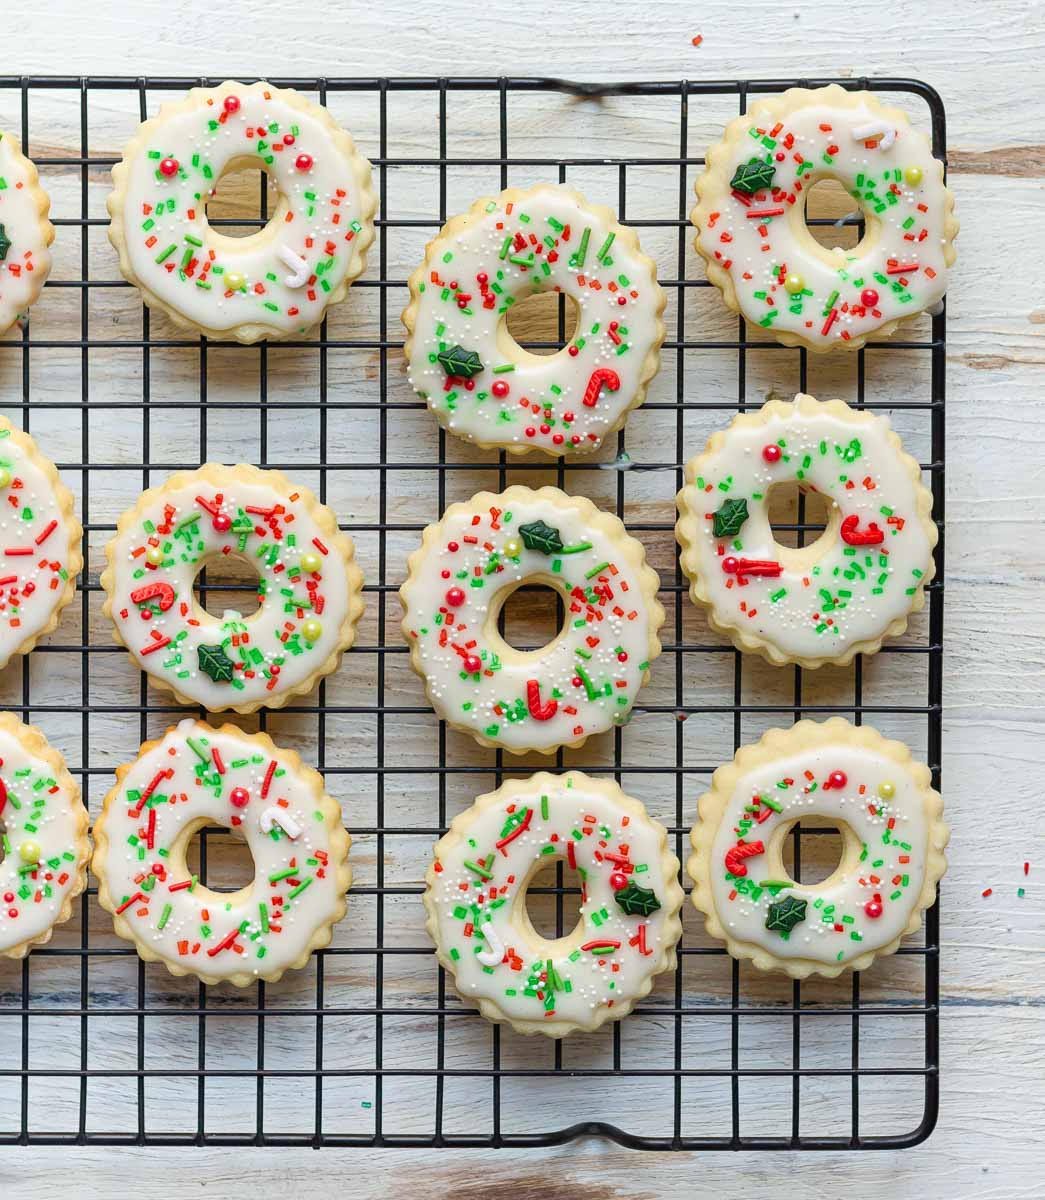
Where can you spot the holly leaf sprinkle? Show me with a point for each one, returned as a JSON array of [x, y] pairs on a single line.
[[216, 663], [459, 362], [729, 518], [752, 176], [785, 914], [5, 243], [636, 900], [539, 536]]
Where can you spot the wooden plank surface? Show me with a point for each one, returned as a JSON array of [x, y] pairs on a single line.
[[985, 61]]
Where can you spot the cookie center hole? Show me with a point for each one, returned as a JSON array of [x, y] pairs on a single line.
[[553, 900], [832, 215], [221, 859], [531, 617], [797, 516], [242, 201], [544, 322], [812, 850], [228, 583]]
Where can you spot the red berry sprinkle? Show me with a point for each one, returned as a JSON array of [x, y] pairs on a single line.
[[771, 453], [455, 597], [618, 880], [530, 431], [453, 547], [623, 656], [837, 779], [573, 352], [499, 389], [289, 139], [868, 297], [222, 522], [239, 797], [873, 908], [473, 664], [168, 167], [231, 104], [303, 162], [576, 681]]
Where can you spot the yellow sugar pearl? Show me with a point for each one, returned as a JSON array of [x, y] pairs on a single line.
[[794, 284], [29, 852], [512, 548], [887, 790], [913, 175], [311, 631], [154, 555], [234, 280], [5, 477], [310, 563]]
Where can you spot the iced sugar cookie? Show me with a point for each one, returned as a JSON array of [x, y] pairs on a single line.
[[194, 777], [39, 543], [277, 282], [43, 837], [586, 679], [893, 840], [309, 587], [852, 587], [25, 233], [630, 899], [480, 383], [752, 231]]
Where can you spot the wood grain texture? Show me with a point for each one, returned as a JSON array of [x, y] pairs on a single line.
[[985, 60]]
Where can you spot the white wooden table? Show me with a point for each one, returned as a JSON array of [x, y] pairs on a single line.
[[986, 61]]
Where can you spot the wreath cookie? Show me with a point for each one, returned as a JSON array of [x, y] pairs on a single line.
[[277, 282], [309, 587], [586, 679], [892, 834], [478, 381], [194, 777], [752, 231], [25, 233], [43, 834], [39, 543], [846, 592], [630, 900]]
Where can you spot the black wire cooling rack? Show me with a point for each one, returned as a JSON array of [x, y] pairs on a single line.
[[666, 1051]]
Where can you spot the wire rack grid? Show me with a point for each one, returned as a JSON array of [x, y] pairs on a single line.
[[679, 1060]]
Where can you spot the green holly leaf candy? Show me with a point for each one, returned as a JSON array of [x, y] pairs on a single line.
[[5, 243], [538, 536], [636, 900], [729, 518], [216, 663], [459, 362], [785, 914], [752, 176]]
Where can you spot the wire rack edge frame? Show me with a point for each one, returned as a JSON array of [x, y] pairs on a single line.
[[936, 347]]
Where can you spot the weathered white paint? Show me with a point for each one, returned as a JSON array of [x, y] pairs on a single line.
[[985, 58]]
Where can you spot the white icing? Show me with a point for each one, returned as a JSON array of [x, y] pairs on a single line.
[[835, 595], [42, 814], [275, 546], [610, 619], [563, 245], [873, 865], [323, 208], [27, 261], [484, 920], [199, 920], [888, 169], [33, 585]]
